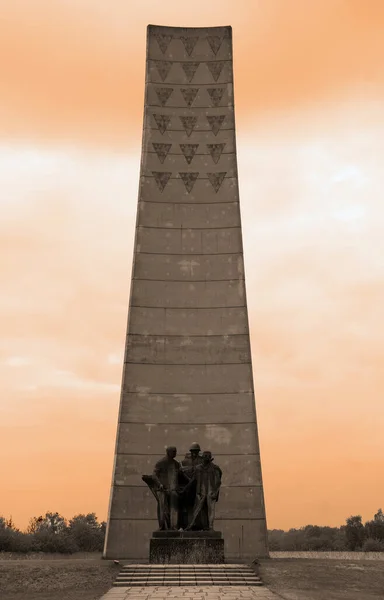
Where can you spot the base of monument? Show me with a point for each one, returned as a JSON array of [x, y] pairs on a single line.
[[186, 548]]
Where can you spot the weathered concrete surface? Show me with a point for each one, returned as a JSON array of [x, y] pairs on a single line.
[[188, 372]]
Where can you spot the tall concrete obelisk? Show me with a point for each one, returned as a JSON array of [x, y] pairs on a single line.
[[187, 368]]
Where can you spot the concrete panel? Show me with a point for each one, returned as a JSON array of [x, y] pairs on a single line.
[[180, 267], [234, 503], [237, 470], [204, 294], [137, 533], [180, 379], [188, 321], [184, 350], [145, 438], [187, 408], [244, 539], [209, 241], [188, 216]]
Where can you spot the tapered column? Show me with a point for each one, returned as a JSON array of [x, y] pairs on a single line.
[[188, 371]]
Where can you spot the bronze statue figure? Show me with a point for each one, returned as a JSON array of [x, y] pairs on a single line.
[[188, 466], [165, 484], [186, 493], [208, 481]]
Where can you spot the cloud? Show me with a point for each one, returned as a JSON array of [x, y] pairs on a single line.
[[75, 71]]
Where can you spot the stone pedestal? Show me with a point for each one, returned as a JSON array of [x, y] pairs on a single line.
[[186, 547]]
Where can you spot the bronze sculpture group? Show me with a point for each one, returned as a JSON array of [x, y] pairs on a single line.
[[186, 492]]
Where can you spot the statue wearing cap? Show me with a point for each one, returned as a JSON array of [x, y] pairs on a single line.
[[207, 478], [188, 465]]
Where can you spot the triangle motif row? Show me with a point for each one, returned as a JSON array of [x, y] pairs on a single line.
[[189, 95], [189, 151], [164, 66], [215, 122], [189, 179], [189, 42]]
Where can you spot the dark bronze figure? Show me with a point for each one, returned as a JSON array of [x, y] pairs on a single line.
[[208, 481], [188, 465], [166, 484]]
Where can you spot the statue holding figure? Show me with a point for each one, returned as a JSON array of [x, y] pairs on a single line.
[[166, 484], [207, 478]]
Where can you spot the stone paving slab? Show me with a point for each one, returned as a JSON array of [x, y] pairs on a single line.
[[190, 593]]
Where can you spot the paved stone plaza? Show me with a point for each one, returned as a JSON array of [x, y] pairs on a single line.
[[191, 593]]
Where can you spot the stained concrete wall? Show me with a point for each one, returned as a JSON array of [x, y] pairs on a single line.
[[188, 373]]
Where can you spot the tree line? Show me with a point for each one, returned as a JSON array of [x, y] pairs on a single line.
[[83, 533], [353, 536]]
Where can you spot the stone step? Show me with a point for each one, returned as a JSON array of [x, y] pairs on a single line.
[[166, 583], [187, 575]]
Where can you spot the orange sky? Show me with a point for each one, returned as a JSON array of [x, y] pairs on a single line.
[[309, 88]]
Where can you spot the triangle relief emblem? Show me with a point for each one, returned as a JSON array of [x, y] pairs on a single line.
[[216, 122], [162, 122], [215, 68], [163, 95], [161, 179], [215, 42], [189, 180], [190, 69], [189, 151], [161, 150], [189, 124], [189, 44], [163, 41], [163, 67], [216, 179], [215, 150], [189, 94]]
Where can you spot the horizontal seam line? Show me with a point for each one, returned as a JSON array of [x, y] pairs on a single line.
[[186, 107], [201, 62], [213, 84], [193, 394], [180, 179], [185, 280], [182, 203], [197, 253], [182, 423], [173, 364], [181, 228], [208, 130], [196, 153], [188, 308], [186, 335], [183, 336]]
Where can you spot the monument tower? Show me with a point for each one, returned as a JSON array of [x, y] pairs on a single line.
[[187, 368]]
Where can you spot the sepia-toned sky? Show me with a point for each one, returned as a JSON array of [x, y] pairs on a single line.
[[309, 93]]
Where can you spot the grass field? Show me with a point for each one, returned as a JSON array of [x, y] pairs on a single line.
[[292, 575]]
